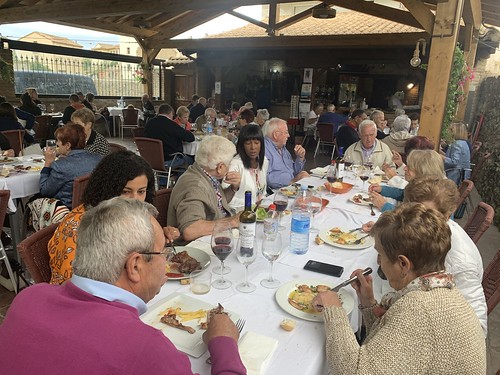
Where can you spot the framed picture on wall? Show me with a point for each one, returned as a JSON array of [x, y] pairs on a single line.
[[306, 91], [308, 75]]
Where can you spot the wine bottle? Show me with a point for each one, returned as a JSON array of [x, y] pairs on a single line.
[[248, 220]]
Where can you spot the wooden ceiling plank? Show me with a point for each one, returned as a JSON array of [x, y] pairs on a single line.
[[421, 13], [295, 18], [109, 27], [379, 11], [472, 13], [248, 19]]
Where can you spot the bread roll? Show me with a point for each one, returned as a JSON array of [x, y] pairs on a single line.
[[287, 324]]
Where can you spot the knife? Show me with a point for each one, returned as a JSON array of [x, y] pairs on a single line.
[[366, 271]]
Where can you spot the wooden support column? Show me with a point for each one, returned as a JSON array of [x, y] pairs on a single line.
[[148, 55], [444, 39], [470, 49]]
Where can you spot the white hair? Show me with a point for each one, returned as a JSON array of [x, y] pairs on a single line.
[[376, 113], [209, 110], [330, 108], [399, 112], [400, 123], [263, 114], [109, 233], [202, 100], [214, 150], [365, 124], [273, 125], [249, 105]]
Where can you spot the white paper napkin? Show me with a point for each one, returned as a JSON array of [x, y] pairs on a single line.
[[398, 182], [255, 351], [319, 170]]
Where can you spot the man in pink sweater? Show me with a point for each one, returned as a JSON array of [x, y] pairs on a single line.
[[90, 324]]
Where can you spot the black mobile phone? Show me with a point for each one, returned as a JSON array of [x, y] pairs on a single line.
[[327, 269]]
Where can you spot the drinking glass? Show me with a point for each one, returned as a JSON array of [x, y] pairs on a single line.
[[331, 177], [316, 204], [246, 256], [271, 250], [281, 202], [368, 161], [222, 244], [50, 144], [364, 175], [348, 163]]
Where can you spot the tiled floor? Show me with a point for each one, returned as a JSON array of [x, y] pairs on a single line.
[[488, 245]]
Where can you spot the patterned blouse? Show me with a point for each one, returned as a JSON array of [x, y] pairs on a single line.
[[97, 144]]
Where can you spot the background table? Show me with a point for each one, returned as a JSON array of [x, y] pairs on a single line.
[[301, 350]]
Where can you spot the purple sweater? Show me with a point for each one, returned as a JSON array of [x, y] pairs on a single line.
[[52, 329]]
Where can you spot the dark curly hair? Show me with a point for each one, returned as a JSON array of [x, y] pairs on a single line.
[[112, 174]]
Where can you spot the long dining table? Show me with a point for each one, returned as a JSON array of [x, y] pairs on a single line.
[[303, 349]]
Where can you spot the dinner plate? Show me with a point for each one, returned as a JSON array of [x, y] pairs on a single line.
[[197, 254], [284, 291], [191, 344], [368, 241], [363, 202]]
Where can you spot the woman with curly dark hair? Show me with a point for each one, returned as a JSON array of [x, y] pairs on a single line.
[[121, 173]]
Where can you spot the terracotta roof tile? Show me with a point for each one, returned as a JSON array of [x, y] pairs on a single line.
[[345, 23]]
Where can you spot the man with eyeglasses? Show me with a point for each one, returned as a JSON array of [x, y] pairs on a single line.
[[283, 170], [91, 324]]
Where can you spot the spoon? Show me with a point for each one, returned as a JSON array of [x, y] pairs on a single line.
[[371, 208]]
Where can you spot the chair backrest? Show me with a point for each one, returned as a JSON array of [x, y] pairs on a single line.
[[34, 253], [475, 148], [116, 147], [325, 131], [479, 221], [138, 132], [130, 116], [464, 190], [15, 138], [79, 185], [477, 168], [42, 127], [161, 201], [101, 125], [491, 282], [4, 203], [152, 151]]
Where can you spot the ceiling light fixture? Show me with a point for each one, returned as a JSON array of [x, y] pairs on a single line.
[[410, 85], [324, 12], [415, 60]]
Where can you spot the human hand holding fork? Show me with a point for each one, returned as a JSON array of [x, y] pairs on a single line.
[[222, 325]]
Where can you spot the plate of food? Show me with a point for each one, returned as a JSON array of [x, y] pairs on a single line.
[[295, 297], [361, 199], [6, 159], [346, 239], [187, 260], [338, 187], [183, 319]]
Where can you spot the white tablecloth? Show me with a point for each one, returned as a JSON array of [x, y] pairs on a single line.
[[190, 148], [24, 184], [302, 350]]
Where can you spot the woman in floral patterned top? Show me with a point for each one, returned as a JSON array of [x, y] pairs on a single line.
[[121, 173]]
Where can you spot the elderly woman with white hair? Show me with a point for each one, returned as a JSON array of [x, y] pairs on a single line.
[[198, 200], [399, 134], [262, 119]]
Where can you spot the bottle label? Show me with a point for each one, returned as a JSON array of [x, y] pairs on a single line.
[[247, 235], [341, 168], [300, 225]]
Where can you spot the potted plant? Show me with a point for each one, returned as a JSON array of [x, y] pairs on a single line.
[[6, 72]]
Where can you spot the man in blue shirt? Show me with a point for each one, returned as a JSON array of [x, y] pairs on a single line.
[[331, 117], [283, 170]]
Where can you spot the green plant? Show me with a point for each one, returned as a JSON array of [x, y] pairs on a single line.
[[6, 70]]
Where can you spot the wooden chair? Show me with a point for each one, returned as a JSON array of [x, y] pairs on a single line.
[[479, 221], [34, 254], [42, 127], [130, 119], [326, 136], [138, 132], [491, 282], [79, 185], [116, 147], [15, 138], [152, 151], [101, 125], [161, 201], [4, 202]]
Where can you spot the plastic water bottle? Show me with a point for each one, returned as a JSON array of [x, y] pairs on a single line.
[[271, 223], [210, 127], [301, 222]]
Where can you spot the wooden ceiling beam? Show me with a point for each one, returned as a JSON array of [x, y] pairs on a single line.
[[472, 13], [291, 42], [109, 27], [377, 10], [295, 18], [421, 13], [248, 19]]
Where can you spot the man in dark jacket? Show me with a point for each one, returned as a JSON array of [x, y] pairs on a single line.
[[162, 127], [348, 133]]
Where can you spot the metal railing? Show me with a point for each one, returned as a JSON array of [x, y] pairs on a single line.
[[62, 75]]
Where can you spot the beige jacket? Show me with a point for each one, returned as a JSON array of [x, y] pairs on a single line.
[[434, 332], [382, 154]]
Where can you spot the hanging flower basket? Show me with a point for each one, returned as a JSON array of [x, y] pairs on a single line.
[[139, 76]]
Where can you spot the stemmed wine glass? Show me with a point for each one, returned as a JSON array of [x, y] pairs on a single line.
[[271, 249], [246, 256], [222, 244], [348, 162], [281, 202], [331, 177], [364, 175], [316, 204], [368, 161]]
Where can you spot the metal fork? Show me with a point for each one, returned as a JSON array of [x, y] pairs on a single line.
[[359, 240], [240, 323]]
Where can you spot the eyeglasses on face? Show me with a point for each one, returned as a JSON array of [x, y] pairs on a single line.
[[166, 253]]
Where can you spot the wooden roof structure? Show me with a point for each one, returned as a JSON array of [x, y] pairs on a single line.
[[154, 23]]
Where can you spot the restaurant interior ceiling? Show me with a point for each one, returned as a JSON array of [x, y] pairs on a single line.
[[154, 23]]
